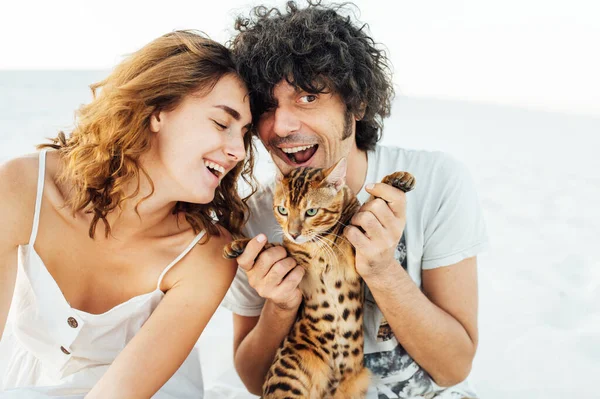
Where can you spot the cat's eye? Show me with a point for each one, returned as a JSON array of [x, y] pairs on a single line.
[[311, 212], [282, 210]]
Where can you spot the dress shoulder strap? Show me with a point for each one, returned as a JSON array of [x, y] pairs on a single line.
[[181, 255], [39, 195]]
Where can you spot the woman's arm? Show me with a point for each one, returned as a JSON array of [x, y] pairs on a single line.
[[17, 201], [197, 286]]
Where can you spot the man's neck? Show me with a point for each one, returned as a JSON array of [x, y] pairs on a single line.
[[357, 169]]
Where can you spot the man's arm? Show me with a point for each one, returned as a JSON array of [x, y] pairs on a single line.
[[256, 340], [437, 327], [275, 277]]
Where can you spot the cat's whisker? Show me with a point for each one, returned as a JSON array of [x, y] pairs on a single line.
[[330, 252], [333, 242], [340, 237], [279, 233], [330, 242], [321, 243], [328, 248], [345, 225], [324, 247]]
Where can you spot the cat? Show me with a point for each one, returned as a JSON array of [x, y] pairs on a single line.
[[322, 356]]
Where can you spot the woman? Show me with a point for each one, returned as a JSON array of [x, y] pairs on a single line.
[[99, 233]]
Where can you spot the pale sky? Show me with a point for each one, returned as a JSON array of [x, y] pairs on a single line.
[[540, 54]]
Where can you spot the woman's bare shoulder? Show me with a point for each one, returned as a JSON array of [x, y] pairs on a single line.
[[18, 188], [204, 261], [213, 248]]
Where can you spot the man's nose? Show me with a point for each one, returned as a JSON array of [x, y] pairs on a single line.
[[285, 121]]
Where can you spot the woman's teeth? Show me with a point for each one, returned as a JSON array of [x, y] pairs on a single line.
[[293, 150], [213, 167]]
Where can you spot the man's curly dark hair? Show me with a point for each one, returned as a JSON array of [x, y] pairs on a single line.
[[318, 50]]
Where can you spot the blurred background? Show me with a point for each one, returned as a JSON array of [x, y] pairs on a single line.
[[510, 88]]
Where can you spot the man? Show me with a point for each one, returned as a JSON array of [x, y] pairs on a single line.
[[319, 92]]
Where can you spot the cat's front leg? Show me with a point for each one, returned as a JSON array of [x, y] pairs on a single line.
[[236, 247], [401, 180]]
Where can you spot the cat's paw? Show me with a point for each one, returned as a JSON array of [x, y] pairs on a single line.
[[235, 248], [401, 180]]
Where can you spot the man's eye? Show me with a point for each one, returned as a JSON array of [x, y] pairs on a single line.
[[309, 98]]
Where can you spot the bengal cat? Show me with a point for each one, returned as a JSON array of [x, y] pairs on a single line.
[[322, 357]]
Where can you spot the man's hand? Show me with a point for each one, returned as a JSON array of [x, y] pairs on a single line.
[[382, 221], [273, 274]]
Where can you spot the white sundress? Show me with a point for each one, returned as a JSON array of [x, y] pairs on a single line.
[[59, 351]]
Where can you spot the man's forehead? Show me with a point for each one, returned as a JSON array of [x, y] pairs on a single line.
[[285, 88]]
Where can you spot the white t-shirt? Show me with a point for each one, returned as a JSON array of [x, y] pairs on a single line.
[[444, 225]]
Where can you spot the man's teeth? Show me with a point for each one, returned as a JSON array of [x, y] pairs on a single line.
[[214, 166], [297, 149]]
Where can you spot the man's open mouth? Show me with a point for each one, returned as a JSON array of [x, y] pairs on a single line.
[[301, 154]]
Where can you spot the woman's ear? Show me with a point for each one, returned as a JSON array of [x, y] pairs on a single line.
[[155, 123]]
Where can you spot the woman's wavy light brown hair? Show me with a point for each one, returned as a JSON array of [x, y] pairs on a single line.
[[101, 155]]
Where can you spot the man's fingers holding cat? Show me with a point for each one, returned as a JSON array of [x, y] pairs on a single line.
[[395, 198], [283, 290], [287, 295], [265, 261], [382, 211], [278, 271], [292, 280], [356, 237], [368, 222], [247, 258]]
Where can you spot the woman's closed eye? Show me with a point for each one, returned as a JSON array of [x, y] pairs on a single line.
[[220, 126]]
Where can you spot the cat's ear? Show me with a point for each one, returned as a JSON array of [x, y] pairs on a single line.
[[278, 174], [336, 175]]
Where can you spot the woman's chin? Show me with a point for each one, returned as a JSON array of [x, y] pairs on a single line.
[[201, 198]]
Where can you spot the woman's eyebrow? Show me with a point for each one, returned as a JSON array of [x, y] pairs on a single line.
[[230, 111], [236, 115]]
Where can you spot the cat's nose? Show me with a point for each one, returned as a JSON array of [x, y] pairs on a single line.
[[294, 235]]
